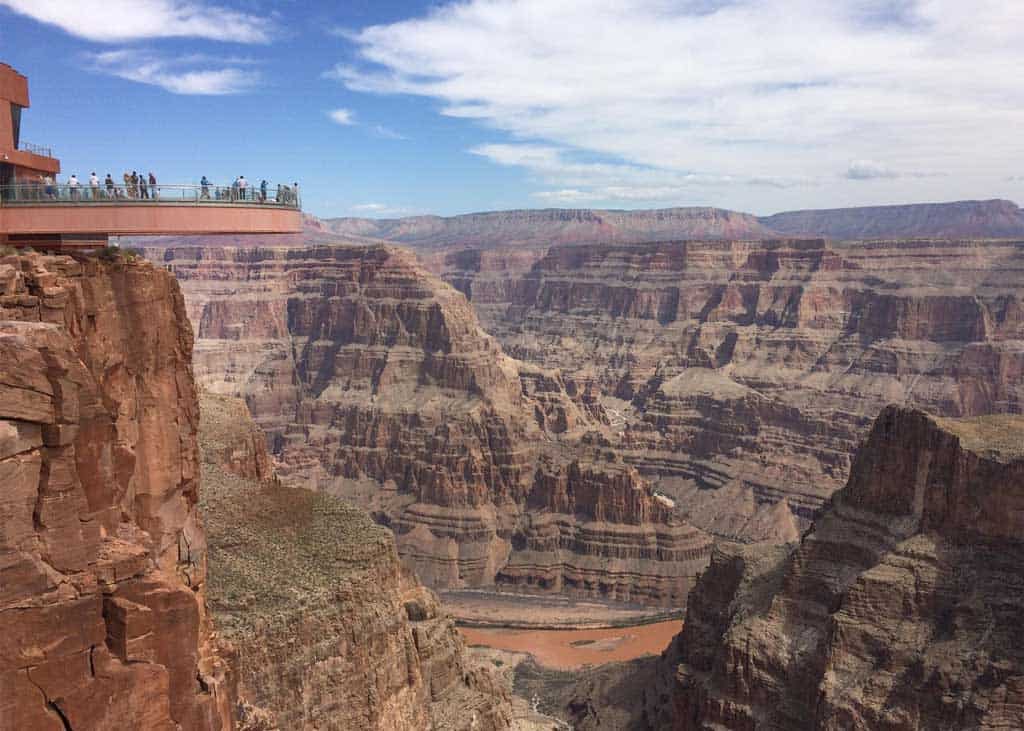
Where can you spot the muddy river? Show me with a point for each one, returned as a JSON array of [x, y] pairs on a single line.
[[573, 648]]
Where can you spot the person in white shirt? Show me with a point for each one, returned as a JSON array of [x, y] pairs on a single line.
[[242, 185], [73, 186], [94, 186]]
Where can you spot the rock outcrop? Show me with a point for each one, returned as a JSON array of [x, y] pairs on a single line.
[[374, 381], [900, 609], [103, 622], [327, 630], [759, 364]]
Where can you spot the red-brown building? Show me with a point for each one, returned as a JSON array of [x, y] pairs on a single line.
[[38, 209]]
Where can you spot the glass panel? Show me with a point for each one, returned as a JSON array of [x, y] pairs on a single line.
[[16, 124]]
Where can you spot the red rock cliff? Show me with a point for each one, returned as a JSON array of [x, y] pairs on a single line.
[[102, 553]]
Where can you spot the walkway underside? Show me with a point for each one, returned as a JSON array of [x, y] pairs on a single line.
[[140, 219]]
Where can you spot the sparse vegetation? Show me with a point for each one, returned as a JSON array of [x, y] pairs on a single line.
[[116, 253]]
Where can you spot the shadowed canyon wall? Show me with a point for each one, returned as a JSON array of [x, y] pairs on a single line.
[[899, 610], [374, 381], [102, 553]]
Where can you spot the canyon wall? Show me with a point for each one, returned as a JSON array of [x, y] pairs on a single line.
[[326, 629], [900, 609], [547, 227], [103, 622], [739, 376], [519, 229], [374, 381]]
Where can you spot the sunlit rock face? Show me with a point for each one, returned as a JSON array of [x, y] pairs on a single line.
[[103, 621], [374, 381], [899, 610]]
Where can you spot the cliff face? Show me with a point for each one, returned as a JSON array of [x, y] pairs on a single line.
[[102, 553], [327, 629], [757, 366], [899, 610], [374, 381]]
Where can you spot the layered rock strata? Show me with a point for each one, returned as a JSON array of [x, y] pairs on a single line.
[[759, 364], [374, 381], [515, 230], [102, 553], [327, 630], [899, 610]]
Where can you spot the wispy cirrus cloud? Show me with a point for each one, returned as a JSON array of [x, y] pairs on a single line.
[[118, 21], [753, 96], [190, 74], [595, 182]]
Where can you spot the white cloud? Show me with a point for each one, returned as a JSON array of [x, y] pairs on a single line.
[[380, 210], [116, 21], [758, 97], [387, 133], [869, 170], [179, 75], [342, 116]]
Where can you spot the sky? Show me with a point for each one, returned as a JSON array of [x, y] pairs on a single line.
[[386, 108]]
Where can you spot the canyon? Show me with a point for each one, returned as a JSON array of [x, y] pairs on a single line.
[[743, 374], [726, 381], [373, 381], [811, 447]]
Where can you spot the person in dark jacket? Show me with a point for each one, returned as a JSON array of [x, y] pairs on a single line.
[[143, 187], [263, 191], [205, 188], [152, 186], [109, 185]]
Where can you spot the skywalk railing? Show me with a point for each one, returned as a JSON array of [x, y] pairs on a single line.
[[43, 194], [36, 149]]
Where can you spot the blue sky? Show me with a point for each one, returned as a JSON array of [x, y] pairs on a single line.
[[389, 107]]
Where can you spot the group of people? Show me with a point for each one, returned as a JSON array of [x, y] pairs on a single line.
[[239, 191], [140, 186], [136, 185]]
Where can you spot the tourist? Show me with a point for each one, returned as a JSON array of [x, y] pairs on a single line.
[[48, 187], [133, 184], [143, 188], [94, 186], [73, 186], [205, 186], [295, 193], [242, 185], [235, 186], [109, 185], [127, 184], [152, 186], [263, 191]]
